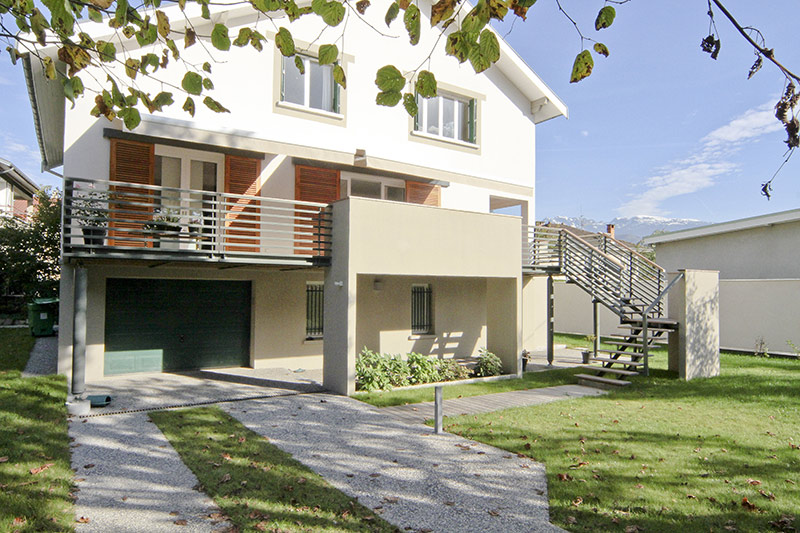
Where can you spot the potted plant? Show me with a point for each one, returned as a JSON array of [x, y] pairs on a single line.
[[525, 356], [166, 222], [91, 209]]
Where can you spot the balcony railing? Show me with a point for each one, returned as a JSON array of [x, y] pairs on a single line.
[[127, 220]]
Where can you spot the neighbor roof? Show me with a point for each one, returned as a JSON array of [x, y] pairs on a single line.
[[10, 173], [771, 219]]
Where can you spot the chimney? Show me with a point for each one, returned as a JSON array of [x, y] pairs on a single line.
[[610, 230]]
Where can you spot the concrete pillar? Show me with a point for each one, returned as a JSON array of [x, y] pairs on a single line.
[[504, 321], [694, 303], [66, 304], [534, 313], [339, 348], [79, 332]]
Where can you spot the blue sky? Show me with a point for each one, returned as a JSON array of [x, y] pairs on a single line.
[[659, 128]]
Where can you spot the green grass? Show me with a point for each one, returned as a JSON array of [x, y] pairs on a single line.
[[16, 347], [33, 436], [530, 380], [665, 454], [257, 485]]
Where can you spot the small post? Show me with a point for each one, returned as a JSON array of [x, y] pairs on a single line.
[[551, 320], [595, 327], [437, 408], [644, 345]]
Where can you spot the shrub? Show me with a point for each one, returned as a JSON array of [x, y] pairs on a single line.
[[398, 370], [371, 371], [424, 369], [488, 364], [450, 370]]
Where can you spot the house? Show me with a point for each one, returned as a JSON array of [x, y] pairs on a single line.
[[306, 224], [759, 286], [16, 190]]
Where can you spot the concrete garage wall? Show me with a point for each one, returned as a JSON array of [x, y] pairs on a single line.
[[277, 331]]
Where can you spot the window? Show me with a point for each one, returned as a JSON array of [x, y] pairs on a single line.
[[373, 187], [449, 117], [421, 310], [314, 310], [314, 88]]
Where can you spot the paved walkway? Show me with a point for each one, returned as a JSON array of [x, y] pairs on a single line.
[[419, 412], [43, 359]]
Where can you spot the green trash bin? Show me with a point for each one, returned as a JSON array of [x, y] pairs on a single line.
[[42, 316]]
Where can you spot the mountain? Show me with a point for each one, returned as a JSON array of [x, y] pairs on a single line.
[[631, 229]]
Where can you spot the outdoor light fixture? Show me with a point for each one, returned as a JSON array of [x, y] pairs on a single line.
[[377, 285], [338, 283]]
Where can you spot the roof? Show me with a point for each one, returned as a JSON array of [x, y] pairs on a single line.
[[48, 102], [741, 224], [10, 173]]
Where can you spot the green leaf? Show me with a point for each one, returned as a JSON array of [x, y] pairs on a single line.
[[255, 40], [389, 79], [107, 51], [442, 10], [265, 6], [163, 24], [189, 38], [284, 42], [392, 13], [207, 67], [388, 98], [298, 62], [412, 21], [497, 9], [328, 53], [582, 67], [243, 39], [130, 116], [476, 19], [147, 35], [86, 40], [410, 103], [332, 12], [339, 77], [15, 55], [149, 60], [73, 87], [205, 12], [162, 99], [214, 106], [192, 83], [605, 18], [426, 84], [219, 37], [95, 15], [49, 67], [173, 48], [459, 45], [132, 67], [489, 46], [39, 26], [188, 105], [208, 84], [601, 49]]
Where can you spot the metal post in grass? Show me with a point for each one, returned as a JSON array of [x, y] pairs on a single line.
[[437, 408], [595, 327]]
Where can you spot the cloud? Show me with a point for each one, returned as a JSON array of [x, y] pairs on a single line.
[[700, 169], [585, 133]]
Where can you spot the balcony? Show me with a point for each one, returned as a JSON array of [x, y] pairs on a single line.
[[110, 219]]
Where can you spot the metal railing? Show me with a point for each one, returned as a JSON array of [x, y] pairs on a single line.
[[119, 219]]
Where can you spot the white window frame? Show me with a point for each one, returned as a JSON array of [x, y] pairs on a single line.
[[306, 105], [345, 182], [422, 121]]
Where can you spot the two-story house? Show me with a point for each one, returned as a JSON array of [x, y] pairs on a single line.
[[16, 190], [306, 224]]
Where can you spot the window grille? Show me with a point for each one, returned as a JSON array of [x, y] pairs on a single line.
[[421, 309], [314, 310]]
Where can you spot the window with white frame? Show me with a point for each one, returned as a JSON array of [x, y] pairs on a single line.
[[447, 116], [313, 88], [373, 187]]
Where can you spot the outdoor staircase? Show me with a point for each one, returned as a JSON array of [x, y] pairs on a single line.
[[617, 277]]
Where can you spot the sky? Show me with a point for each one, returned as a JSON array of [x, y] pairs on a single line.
[[659, 128]]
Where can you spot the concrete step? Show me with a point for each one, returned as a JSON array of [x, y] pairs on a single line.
[[590, 380], [617, 371]]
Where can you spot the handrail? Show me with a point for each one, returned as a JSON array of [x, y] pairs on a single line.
[[645, 315]]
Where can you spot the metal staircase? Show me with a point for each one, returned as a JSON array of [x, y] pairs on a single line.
[[617, 277]]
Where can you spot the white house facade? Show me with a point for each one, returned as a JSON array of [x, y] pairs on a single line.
[[305, 224], [16, 190]]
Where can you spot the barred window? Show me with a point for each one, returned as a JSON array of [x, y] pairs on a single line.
[[421, 309], [314, 310]]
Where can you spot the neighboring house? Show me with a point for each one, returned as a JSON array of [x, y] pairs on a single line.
[[759, 276], [306, 224], [16, 191]]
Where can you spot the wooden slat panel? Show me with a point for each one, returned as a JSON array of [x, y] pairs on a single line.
[[313, 184], [242, 219], [423, 193], [133, 162]]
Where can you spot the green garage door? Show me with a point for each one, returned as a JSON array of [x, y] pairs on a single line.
[[167, 325]]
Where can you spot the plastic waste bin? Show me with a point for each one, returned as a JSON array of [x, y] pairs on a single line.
[[42, 316]]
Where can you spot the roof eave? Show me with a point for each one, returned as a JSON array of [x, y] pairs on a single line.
[[782, 217]]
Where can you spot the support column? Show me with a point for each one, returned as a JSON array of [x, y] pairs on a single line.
[[79, 332], [503, 321], [551, 319], [595, 327], [694, 303]]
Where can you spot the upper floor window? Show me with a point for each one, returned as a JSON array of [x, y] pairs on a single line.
[[313, 88], [447, 116]]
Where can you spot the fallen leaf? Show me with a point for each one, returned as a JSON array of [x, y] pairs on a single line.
[[691, 496], [639, 486], [789, 481], [749, 506], [83, 520], [450, 504], [754, 482], [577, 501], [4, 459], [564, 477], [494, 512], [375, 475], [42, 468], [226, 456], [90, 465], [225, 478], [390, 499], [174, 513], [767, 495], [633, 529], [301, 480], [180, 522], [578, 465], [262, 526]]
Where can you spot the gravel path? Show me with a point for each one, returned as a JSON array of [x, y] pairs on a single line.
[[44, 358], [415, 479]]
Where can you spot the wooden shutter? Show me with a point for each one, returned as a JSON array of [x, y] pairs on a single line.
[[312, 184], [242, 217], [423, 193], [131, 162]]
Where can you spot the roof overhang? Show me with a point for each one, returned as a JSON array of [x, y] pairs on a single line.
[[771, 219], [48, 105], [10, 173]]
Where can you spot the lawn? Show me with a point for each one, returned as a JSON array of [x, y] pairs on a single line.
[[257, 485], [35, 474], [719, 454]]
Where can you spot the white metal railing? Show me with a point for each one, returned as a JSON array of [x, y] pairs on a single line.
[[120, 219]]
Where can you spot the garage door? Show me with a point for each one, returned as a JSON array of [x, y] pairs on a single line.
[[168, 325]]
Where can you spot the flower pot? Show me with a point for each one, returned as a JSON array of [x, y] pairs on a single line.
[[524, 363], [585, 356]]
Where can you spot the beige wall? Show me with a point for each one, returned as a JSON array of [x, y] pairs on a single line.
[[573, 311], [277, 314], [534, 313], [768, 252]]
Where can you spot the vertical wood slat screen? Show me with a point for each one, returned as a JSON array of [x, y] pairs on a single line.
[[132, 162], [423, 193], [242, 218], [313, 184]]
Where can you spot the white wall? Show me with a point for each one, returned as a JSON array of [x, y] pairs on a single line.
[[573, 311]]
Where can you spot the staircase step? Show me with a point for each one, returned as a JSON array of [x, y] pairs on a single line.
[[632, 344], [619, 361], [621, 352], [625, 339], [618, 371], [649, 329], [655, 321], [590, 380]]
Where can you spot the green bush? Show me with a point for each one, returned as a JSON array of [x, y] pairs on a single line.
[[488, 364], [371, 371], [424, 368], [450, 370], [398, 370]]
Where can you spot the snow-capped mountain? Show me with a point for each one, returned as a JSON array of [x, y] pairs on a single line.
[[631, 229]]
